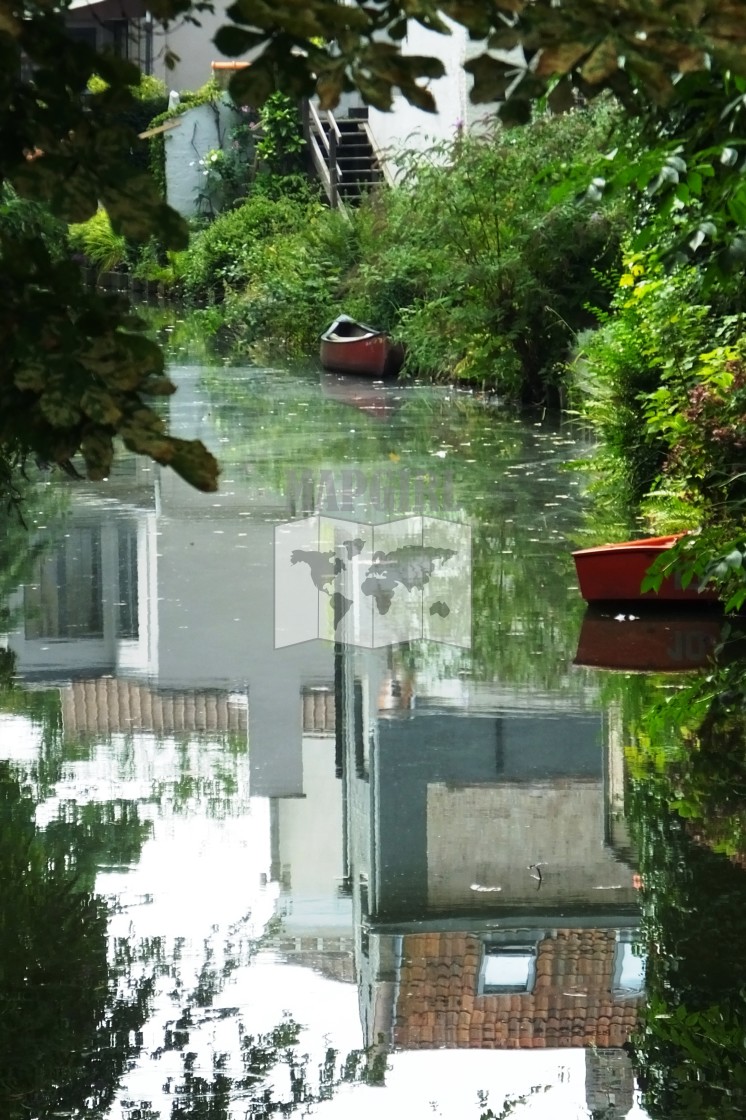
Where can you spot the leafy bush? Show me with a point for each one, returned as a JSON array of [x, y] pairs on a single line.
[[703, 422], [21, 218], [221, 256], [292, 285], [477, 267], [634, 375], [98, 242], [280, 135]]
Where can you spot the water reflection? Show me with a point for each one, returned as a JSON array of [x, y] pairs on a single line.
[[359, 856]]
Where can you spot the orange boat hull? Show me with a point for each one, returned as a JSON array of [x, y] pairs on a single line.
[[614, 573], [663, 642]]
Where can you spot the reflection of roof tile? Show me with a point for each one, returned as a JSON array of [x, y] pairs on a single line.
[[110, 705], [572, 1003], [332, 957], [318, 711]]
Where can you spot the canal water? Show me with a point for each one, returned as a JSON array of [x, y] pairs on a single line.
[[315, 798]]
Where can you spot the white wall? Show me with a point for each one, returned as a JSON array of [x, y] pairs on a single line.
[[198, 131], [407, 127], [194, 47]]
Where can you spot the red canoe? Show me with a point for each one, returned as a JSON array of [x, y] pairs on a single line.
[[614, 573], [351, 347]]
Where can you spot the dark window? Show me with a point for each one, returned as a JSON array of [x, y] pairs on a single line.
[[65, 598], [127, 606]]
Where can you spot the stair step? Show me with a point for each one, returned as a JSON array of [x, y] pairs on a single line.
[[359, 171]]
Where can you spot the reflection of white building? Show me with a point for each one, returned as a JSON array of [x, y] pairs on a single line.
[[166, 591], [493, 907], [90, 607], [308, 840]]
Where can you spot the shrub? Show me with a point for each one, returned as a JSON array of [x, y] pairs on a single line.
[[478, 266], [220, 255], [22, 219], [98, 242], [293, 287], [634, 373]]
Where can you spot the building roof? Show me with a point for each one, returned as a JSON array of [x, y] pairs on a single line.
[[114, 704], [572, 1003], [319, 712]]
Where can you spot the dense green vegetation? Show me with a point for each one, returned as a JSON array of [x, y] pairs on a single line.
[[90, 374], [470, 260], [686, 807]]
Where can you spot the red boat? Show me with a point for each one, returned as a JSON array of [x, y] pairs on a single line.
[[665, 641], [614, 573], [351, 347]]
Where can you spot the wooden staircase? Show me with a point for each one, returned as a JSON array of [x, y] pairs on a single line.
[[343, 154]]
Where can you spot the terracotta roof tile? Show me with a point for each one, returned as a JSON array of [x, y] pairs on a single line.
[[112, 704], [319, 712], [571, 1005]]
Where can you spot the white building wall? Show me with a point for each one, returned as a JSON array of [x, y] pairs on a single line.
[[193, 47], [199, 130], [407, 127]]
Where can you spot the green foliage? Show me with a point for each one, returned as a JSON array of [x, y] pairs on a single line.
[[652, 335], [77, 371], [702, 419], [65, 1031], [689, 1044], [147, 88], [280, 135], [98, 242], [475, 268], [221, 254], [275, 264], [23, 219], [76, 377]]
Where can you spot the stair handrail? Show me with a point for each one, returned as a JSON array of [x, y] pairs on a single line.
[[326, 160], [378, 153]]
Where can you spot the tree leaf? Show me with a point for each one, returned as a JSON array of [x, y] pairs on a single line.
[[602, 63], [558, 60], [492, 77], [101, 407], [233, 41]]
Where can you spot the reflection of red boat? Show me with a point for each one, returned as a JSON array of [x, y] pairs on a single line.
[[351, 347], [614, 572], [370, 396], [665, 642]]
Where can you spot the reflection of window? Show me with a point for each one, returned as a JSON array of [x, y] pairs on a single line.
[[629, 965], [509, 962], [127, 604], [357, 716], [65, 599], [86, 586]]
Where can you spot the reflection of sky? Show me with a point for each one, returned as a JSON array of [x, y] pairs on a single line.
[[200, 890], [19, 740], [445, 1085]]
